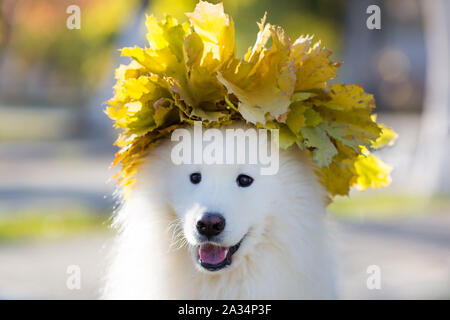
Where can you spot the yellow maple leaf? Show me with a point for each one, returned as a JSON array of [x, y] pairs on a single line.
[[371, 171], [349, 97], [314, 68], [264, 81], [216, 30], [386, 138]]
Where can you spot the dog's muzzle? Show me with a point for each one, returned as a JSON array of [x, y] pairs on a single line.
[[214, 257]]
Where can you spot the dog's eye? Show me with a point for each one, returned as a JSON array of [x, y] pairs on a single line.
[[196, 177], [244, 180]]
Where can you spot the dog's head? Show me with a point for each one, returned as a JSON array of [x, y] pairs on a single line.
[[225, 210]]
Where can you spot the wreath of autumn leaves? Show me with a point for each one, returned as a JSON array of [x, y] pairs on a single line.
[[190, 72]]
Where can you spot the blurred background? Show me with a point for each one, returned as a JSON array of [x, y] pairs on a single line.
[[56, 143]]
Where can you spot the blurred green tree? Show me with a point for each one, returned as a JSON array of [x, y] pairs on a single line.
[[69, 61]]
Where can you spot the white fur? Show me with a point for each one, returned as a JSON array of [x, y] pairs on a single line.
[[284, 254]]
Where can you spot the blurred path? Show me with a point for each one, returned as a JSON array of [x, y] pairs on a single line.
[[413, 255], [38, 270], [56, 173]]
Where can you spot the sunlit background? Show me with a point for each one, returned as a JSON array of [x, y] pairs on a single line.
[[56, 143]]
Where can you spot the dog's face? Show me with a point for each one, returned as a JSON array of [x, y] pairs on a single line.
[[221, 208]]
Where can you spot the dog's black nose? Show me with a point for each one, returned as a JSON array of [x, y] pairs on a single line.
[[210, 225]]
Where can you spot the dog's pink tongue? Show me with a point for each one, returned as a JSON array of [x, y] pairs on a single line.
[[212, 254]]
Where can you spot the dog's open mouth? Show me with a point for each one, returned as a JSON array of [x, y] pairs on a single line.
[[213, 257]]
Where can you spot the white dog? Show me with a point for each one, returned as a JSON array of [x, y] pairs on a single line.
[[222, 232]]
